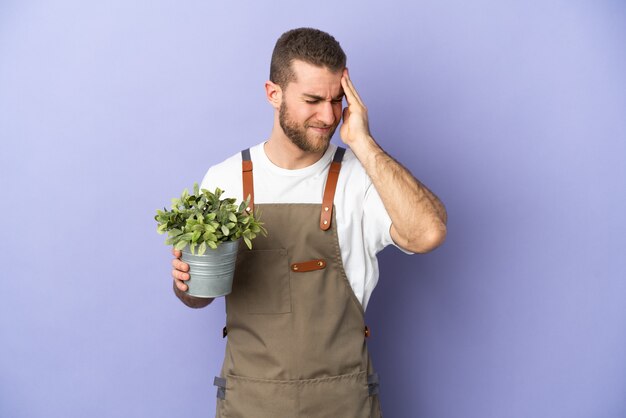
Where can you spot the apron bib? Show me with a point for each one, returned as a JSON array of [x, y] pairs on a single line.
[[296, 333]]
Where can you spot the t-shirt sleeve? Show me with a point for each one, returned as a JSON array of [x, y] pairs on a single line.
[[376, 222], [226, 176], [208, 181]]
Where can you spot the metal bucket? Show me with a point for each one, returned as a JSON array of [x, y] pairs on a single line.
[[211, 274]]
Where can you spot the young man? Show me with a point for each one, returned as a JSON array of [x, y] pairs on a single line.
[[296, 334]]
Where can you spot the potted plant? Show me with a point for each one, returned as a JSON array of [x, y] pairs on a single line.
[[202, 221]]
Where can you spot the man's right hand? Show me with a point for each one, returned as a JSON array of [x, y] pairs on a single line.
[[180, 271]]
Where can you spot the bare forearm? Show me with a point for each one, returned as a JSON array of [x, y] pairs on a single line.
[[418, 216]]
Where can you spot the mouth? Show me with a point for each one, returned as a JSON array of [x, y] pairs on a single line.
[[322, 130]]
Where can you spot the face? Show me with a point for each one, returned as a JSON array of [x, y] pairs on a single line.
[[310, 109]]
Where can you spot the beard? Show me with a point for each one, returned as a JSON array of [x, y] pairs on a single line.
[[298, 133]]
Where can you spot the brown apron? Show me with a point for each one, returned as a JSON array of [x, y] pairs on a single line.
[[296, 333]]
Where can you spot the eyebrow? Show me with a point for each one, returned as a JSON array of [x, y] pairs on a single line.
[[316, 97]]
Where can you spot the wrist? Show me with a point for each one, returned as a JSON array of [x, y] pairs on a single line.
[[365, 148]]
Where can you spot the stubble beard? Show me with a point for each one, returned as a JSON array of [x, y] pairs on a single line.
[[298, 134]]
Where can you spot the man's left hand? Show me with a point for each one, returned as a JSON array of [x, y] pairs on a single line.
[[355, 125]]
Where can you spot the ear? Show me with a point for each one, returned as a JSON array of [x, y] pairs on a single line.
[[274, 94]]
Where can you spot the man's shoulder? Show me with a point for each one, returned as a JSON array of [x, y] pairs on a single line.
[[352, 169], [350, 159], [234, 161], [231, 163], [226, 175]]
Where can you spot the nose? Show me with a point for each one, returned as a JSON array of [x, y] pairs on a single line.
[[325, 113]]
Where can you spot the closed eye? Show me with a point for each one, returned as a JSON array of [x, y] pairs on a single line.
[[337, 101], [314, 98]]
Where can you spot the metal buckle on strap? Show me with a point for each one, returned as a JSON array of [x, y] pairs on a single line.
[[220, 382], [372, 384], [326, 215]]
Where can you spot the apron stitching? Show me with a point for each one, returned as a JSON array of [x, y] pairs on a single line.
[[360, 377], [345, 280]]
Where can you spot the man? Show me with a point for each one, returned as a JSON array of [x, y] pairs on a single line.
[[296, 334]]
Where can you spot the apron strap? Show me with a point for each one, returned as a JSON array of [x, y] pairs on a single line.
[[329, 190], [246, 174], [372, 384], [220, 382]]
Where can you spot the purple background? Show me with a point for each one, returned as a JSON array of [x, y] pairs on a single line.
[[512, 112]]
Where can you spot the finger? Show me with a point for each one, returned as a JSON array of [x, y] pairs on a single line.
[[346, 114], [180, 275], [176, 253], [180, 265], [350, 98], [353, 89], [181, 286]]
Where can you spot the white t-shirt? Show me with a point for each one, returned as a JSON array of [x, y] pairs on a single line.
[[363, 225]]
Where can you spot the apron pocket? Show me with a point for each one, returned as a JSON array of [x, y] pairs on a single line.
[[263, 277], [258, 398], [345, 396]]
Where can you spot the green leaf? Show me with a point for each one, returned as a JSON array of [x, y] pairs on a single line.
[[205, 219], [175, 232], [186, 236], [180, 245], [202, 248]]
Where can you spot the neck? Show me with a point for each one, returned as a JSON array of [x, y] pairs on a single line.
[[285, 154]]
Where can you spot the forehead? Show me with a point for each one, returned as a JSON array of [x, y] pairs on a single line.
[[314, 79]]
